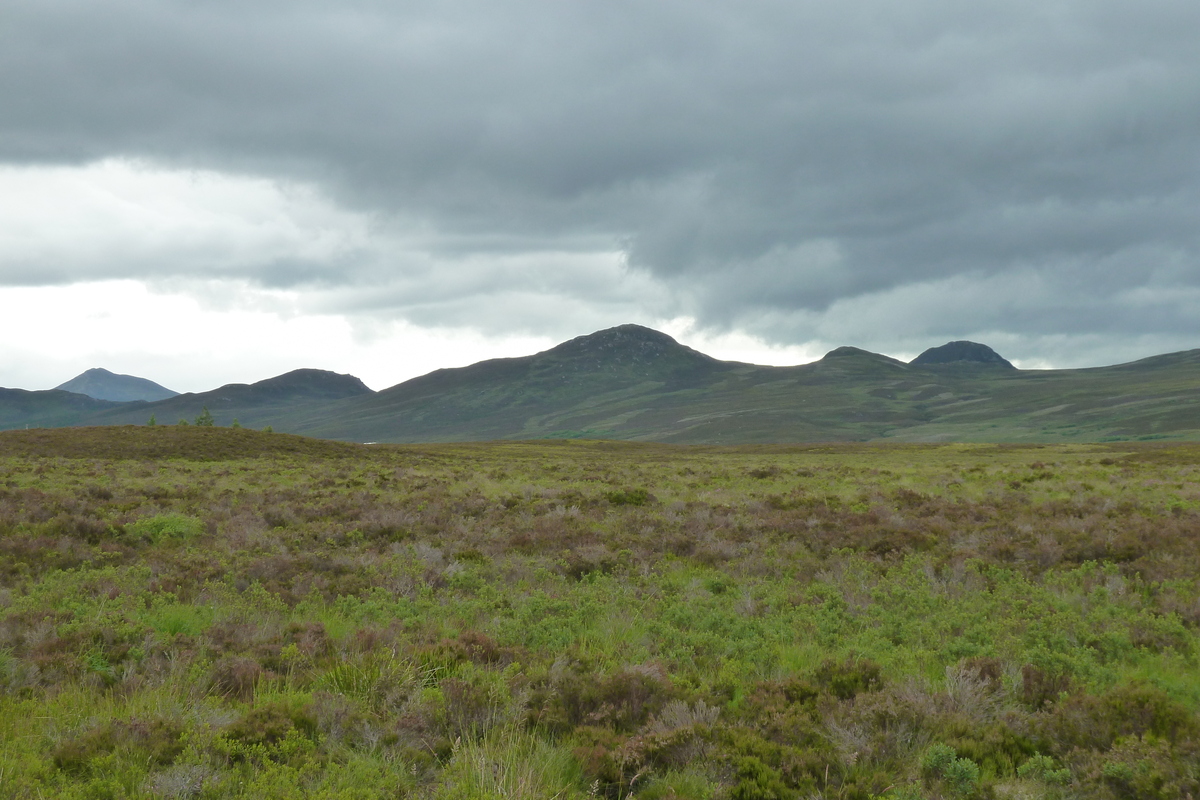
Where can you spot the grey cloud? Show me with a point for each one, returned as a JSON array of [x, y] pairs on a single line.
[[766, 164]]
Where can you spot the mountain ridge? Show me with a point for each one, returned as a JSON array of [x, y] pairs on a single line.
[[249, 403], [632, 382]]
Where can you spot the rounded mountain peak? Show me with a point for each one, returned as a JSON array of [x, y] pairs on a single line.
[[635, 340], [961, 353], [315, 382], [634, 351]]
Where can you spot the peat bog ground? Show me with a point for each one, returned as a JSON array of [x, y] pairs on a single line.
[[211, 613]]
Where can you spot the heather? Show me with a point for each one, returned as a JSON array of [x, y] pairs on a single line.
[[206, 612]]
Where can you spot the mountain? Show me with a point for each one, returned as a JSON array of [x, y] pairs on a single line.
[[959, 354], [267, 402], [632, 382], [635, 383], [51, 408], [568, 390], [104, 385]]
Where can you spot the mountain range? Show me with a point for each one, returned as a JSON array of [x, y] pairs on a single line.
[[632, 382]]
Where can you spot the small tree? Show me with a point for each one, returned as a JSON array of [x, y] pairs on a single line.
[[183, 423], [235, 424], [152, 421], [268, 429], [205, 419]]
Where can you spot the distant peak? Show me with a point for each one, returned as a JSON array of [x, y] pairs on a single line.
[[102, 384], [315, 379], [846, 352], [626, 333], [960, 353], [633, 338], [631, 350]]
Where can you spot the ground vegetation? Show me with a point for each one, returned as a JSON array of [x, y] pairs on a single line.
[[199, 612]]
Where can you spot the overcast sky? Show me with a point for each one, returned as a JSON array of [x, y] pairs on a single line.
[[207, 191]]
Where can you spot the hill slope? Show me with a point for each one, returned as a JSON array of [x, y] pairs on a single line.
[[267, 402], [579, 387], [50, 408], [635, 383], [104, 385]]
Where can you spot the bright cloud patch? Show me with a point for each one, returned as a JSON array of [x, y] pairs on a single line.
[[185, 344], [116, 219]]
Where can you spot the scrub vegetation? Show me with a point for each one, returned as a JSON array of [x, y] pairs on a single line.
[[198, 612]]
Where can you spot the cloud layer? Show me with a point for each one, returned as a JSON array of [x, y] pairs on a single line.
[[881, 174]]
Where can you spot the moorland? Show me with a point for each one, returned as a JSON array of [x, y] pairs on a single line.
[[639, 384], [212, 613]]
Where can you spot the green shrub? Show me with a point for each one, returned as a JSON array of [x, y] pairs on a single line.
[[941, 761], [156, 741], [963, 776], [1045, 769], [280, 731], [165, 527], [628, 497], [1095, 722], [757, 781], [1150, 768], [937, 758], [845, 679]]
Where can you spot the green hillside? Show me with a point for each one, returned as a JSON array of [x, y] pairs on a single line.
[[46, 409], [635, 383], [266, 402]]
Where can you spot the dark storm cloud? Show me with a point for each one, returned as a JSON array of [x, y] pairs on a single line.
[[768, 163]]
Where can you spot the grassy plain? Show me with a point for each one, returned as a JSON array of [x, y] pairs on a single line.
[[189, 612]]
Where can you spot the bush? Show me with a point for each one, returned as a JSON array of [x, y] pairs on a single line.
[[277, 731], [157, 741], [847, 678], [937, 758], [1043, 768], [941, 761], [963, 776], [237, 676], [757, 781], [622, 701], [1095, 722], [164, 527], [628, 497]]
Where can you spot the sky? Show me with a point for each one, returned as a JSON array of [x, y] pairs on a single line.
[[210, 191]]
